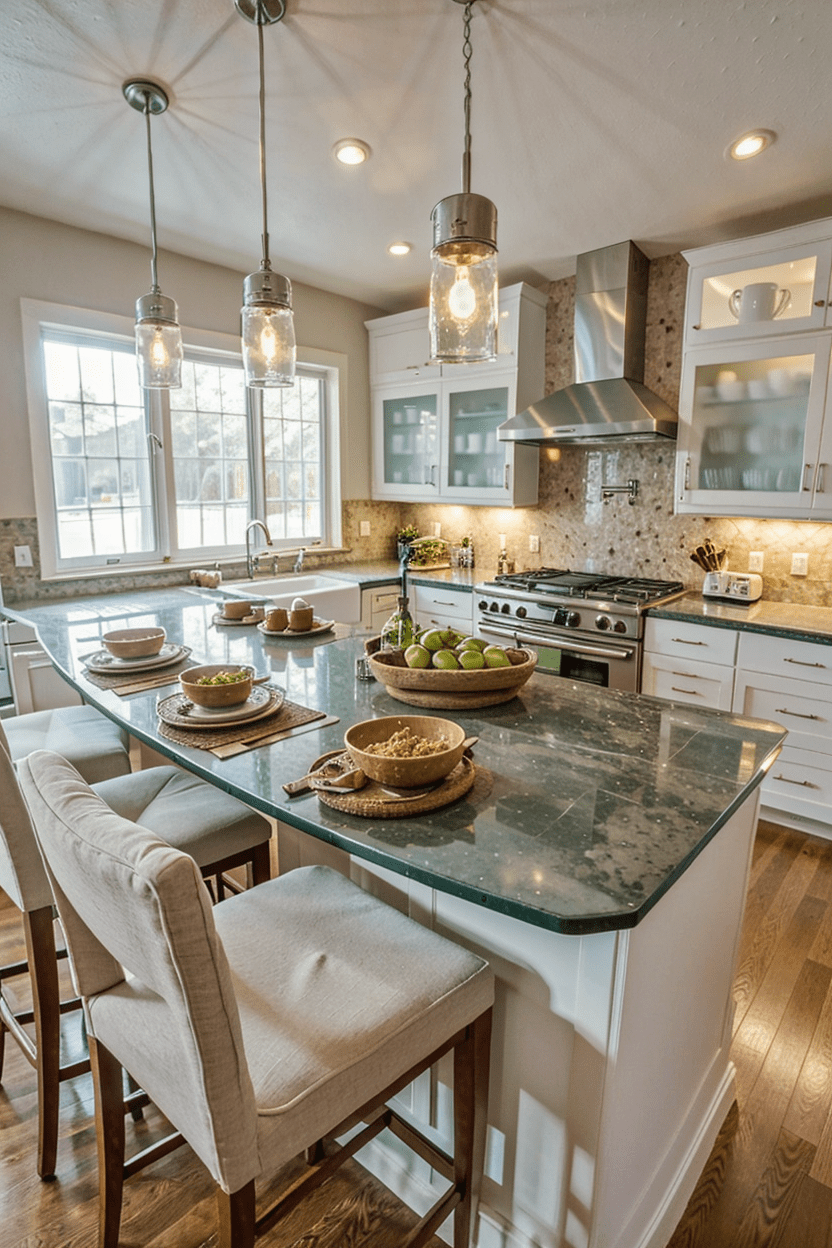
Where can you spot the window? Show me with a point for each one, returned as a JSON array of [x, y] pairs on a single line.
[[127, 478]]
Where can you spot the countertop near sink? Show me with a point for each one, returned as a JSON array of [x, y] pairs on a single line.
[[386, 572], [778, 619]]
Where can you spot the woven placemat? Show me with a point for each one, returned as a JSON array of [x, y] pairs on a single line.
[[290, 715], [373, 803], [125, 683]]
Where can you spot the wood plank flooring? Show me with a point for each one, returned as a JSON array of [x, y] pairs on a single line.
[[767, 1183]]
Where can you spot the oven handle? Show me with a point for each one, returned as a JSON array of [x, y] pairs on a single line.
[[601, 652]]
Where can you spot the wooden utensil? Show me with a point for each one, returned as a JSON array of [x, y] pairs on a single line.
[[354, 779]]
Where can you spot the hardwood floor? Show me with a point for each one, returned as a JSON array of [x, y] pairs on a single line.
[[767, 1183]]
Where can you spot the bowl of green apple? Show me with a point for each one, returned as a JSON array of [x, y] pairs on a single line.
[[442, 668]]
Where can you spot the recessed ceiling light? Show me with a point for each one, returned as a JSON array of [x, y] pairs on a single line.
[[751, 144], [400, 249], [351, 151]]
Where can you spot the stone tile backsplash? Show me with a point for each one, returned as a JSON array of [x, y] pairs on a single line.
[[576, 529]]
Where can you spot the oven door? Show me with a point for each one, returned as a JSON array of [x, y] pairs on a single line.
[[610, 664]]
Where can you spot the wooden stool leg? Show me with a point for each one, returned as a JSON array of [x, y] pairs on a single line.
[[43, 968], [261, 866], [471, 1063], [109, 1134], [236, 1217], [3, 1030]]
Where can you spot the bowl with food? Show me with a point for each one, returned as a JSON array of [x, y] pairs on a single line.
[[218, 684], [406, 750], [134, 643]]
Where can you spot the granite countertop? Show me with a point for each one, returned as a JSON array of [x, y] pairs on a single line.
[[780, 619], [590, 803]]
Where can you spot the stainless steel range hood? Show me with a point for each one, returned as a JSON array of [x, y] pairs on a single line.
[[608, 400]]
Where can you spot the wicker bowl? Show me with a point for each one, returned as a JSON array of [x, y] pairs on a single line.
[[217, 695], [134, 643], [236, 609], [405, 773], [450, 690]]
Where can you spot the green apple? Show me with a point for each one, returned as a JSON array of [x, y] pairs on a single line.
[[433, 639], [471, 660], [446, 660], [495, 656], [417, 656], [472, 643]]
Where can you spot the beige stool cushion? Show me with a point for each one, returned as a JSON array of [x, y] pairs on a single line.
[[94, 745], [187, 812], [257, 1035], [22, 876]]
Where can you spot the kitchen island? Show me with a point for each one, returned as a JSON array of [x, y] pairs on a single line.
[[600, 863]]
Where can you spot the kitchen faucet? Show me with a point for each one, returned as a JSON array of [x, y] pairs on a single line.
[[255, 524], [298, 565]]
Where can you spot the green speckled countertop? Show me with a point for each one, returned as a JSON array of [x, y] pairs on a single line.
[[593, 802], [778, 619]]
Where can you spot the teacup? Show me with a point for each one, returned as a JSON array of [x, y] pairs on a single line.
[[300, 620], [277, 620], [236, 609]]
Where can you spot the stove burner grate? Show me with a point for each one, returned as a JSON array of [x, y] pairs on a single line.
[[559, 583]]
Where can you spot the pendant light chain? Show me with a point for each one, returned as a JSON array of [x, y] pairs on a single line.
[[467, 50], [154, 276], [266, 263]]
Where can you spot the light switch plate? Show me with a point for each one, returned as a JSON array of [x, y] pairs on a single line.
[[800, 565], [22, 557], [756, 558], [364, 528], [534, 543], [437, 529]]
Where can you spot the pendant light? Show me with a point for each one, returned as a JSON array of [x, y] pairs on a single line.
[[158, 336], [268, 328], [463, 284]]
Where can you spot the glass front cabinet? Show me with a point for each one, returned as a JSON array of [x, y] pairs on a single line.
[[755, 414], [435, 429]]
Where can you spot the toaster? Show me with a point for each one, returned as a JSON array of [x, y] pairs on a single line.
[[733, 586]]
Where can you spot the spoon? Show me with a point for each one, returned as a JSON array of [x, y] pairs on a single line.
[[346, 780]]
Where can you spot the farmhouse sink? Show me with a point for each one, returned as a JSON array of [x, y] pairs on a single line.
[[331, 598]]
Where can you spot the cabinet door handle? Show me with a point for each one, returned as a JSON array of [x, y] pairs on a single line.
[[820, 303], [505, 477], [693, 692], [803, 663], [684, 675], [687, 461], [807, 468], [684, 641], [781, 710], [440, 602], [820, 483], [806, 784]]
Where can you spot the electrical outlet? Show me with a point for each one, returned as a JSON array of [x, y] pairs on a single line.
[[800, 565], [756, 559], [437, 529], [22, 557], [534, 543], [364, 528]]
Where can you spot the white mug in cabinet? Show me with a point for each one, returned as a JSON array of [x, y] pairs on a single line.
[[759, 301]]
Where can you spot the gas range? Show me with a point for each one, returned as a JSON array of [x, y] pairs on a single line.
[[570, 614]]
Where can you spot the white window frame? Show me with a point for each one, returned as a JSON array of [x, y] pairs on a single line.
[[331, 366]]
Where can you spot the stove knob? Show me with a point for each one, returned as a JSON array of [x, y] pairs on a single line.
[[603, 622], [521, 613], [572, 619], [495, 606], [482, 605], [506, 608], [619, 626]]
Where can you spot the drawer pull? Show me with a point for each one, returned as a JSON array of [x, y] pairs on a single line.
[[693, 692], [802, 663], [684, 675], [806, 784], [685, 641], [442, 602], [781, 710]]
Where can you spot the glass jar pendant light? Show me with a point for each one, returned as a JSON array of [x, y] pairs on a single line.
[[158, 336], [463, 284], [268, 327]]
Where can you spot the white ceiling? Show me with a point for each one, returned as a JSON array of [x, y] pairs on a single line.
[[592, 121]]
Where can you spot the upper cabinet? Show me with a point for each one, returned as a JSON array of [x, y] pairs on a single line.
[[755, 415], [435, 426]]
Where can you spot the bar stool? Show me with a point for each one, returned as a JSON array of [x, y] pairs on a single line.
[[260, 1027], [214, 828], [95, 746]]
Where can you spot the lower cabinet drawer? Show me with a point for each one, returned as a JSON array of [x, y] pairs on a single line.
[[781, 656], [805, 709], [799, 776], [445, 607], [697, 642], [700, 684]]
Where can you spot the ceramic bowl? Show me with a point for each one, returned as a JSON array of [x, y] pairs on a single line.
[[217, 695], [235, 609], [405, 773], [134, 643]]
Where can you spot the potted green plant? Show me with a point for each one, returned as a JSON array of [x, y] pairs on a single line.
[[403, 539]]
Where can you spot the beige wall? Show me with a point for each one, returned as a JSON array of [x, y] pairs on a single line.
[[45, 260]]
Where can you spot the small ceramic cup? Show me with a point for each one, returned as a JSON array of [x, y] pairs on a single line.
[[300, 621], [234, 609], [277, 620]]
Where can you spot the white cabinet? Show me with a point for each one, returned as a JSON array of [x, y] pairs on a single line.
[[755, 433], [790, 682], [378, 604], [443, 607], [35, 685], [435, 428], [689, 663]]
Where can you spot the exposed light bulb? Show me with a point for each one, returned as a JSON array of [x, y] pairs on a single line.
[[268, 342], [462, 300], [159, 357]]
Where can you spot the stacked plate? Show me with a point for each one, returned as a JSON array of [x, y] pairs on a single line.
[[180, 712], [107, 664]]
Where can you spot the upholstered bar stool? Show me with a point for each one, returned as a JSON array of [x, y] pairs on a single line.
[[262, 1026], [215, 829], [97, 747]]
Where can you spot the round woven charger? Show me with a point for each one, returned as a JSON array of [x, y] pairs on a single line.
[[372, 802]]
